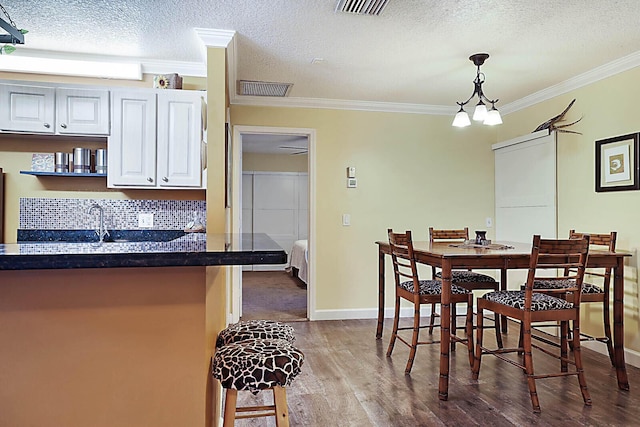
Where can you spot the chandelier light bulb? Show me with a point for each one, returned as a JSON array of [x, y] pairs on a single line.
[[461, 119], [493, 117], [480, 113]]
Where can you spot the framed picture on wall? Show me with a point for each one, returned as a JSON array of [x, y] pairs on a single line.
[[618, 163]]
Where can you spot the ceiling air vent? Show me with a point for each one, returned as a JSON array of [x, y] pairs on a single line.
[[251, 88], [362, 7]]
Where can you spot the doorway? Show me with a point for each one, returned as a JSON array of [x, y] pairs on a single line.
[[273, 192]]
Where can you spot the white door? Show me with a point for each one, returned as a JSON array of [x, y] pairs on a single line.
[[132, 144], [275, 208], [179, 139], [27, 108], [82, 111], [525, 191], [247, 208], [303, 206]]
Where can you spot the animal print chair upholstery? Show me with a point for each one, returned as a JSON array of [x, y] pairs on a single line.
[[539, 301], [257, 364], [467, 276], [248, 329], [587, 288]]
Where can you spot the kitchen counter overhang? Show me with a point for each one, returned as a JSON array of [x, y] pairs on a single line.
[[189, 250]]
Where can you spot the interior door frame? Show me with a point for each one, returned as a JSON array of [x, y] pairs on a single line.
[[236, 209]]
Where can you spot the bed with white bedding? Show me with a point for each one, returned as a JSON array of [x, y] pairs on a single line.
[[299, 259]]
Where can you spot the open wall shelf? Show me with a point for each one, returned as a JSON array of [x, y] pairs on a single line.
[[70, 174]]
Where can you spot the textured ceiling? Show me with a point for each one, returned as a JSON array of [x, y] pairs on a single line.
[[414, 53]]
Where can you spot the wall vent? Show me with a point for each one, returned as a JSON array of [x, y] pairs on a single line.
[[362, 7], [253, 88]]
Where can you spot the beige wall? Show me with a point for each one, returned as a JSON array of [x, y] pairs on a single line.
[[16, 151], [217, 279], [274, 162], [413, 171], [609, 108]]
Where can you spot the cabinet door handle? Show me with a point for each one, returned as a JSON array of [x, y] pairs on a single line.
[[47, 125], [165, 179], [150, 179], [63, 126]]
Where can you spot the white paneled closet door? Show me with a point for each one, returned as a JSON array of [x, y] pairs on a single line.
[[303, 206], [525, 191], [275, 203], [247, 208]]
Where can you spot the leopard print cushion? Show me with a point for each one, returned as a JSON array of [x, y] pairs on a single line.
[[467, 276], [432, 287], [265, 329], [587, 288], [539, 302], [256, 364]]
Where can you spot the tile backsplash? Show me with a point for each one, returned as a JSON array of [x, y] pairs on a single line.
[[73, 214]]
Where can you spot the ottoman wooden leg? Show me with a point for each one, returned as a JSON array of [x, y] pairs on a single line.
[[230, 407], [280, 401]]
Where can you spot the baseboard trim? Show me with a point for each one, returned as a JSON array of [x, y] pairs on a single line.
[[372, 313], [631, 357]]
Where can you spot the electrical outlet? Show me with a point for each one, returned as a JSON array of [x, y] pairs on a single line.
[[145, 220], [489, 222], [346, 219]]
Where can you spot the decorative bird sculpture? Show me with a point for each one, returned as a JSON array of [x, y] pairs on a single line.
[[552, 125]]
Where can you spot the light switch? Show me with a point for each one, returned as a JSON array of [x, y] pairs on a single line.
[[489, 222], [346, 219], [351, 172]]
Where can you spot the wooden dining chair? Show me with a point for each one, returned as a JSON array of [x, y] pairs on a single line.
[[410, 288], [530, 307], [467, 279], [593, 293]]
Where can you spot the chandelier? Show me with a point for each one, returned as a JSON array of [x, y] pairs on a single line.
[[13, 36], [481, 114]]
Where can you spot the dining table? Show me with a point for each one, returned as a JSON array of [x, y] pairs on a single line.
[[501, 256]]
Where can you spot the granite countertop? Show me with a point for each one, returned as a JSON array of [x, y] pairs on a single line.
[[189, 249]]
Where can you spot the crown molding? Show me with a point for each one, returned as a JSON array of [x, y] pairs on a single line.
[[211, 37], [599, 73], [340, 104], [194, 69]]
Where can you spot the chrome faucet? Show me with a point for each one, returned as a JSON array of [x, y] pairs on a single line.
[[101, 232]]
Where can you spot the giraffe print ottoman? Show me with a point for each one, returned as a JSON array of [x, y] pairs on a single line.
[[256, 364], [263, 329]]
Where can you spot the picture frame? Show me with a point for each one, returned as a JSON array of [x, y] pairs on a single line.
[[618, 163]]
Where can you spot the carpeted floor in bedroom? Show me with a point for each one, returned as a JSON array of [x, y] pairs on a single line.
[[273, 295]]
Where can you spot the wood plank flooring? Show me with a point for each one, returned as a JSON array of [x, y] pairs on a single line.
[[347, 380]]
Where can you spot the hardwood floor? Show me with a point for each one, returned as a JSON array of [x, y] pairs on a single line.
[[347, 380]]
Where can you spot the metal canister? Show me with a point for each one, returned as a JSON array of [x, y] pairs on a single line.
[[81, 160], [61, 162], [101, 160]]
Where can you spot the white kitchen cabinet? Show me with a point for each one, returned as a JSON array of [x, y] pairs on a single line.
[[156, 139], [54, 110], [131, 148], [82, 111]]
